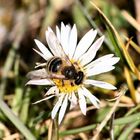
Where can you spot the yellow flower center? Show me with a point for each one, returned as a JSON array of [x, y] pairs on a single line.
[[66, 86]]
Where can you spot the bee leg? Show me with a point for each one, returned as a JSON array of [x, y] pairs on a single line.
[[63, 83], [72, 84]]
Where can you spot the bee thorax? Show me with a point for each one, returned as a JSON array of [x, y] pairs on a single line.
[[69, 72]]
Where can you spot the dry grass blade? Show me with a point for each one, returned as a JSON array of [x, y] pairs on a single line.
[[130, 84], [131, 20], [137, 13], [122, 45], [133, 44], [50, 129], [104, 122], [15, 136]]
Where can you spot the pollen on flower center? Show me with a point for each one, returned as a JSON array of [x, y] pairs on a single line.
[[66, 86]]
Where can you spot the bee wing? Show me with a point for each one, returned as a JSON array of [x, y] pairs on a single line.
[[56, 47], [37, 74], [42, 74]]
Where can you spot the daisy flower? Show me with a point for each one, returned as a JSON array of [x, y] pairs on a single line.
[[68, 68]]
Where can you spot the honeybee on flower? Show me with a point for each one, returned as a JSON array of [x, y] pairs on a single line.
[[68, 68]]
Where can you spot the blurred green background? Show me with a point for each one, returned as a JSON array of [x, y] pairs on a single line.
[[21, 21]]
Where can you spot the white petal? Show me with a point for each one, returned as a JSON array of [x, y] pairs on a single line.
[[72, 41], [91, 97], [100, 84], [98, 70], [58, 34], [82, 101], [54, 44], [43, 49], [85, 43], [40, 65], [44, 99], [106, 62], [104, 58], [41, 54], [73, 100], [90, 54], [65, 33], [52, 90], [113, 60], [101, 65], [39, 82], [57, 106], [63, 109]]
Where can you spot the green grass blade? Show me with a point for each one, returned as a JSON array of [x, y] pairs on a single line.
[[11, 116], [128, 131]]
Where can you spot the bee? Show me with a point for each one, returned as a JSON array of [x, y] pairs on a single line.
[[59, 66]]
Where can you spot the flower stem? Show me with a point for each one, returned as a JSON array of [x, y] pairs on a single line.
[[56, 129]]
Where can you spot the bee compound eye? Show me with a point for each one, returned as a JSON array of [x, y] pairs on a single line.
[[79, 78], [55, 65]]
